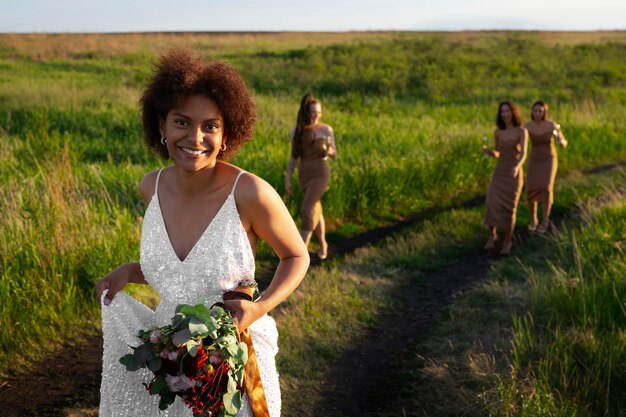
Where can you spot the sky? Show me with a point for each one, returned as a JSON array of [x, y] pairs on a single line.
[[102, 16]]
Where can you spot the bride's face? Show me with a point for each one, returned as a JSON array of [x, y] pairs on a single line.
[[194, 131]]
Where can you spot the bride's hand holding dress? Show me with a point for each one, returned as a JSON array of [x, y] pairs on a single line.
[[117, 279]]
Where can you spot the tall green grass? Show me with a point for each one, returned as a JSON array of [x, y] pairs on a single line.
[[568, 349], [528, 341], [408, 110], [61, 227], [544, 333]]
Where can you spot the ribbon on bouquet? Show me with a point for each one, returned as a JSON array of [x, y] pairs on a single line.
[[252, 380]]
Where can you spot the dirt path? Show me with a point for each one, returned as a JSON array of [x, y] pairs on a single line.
[[368, 372], [71, 378], [420, 306]]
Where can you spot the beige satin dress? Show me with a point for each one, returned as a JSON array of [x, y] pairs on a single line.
[[313, 176], [542, 166], [504, 189]]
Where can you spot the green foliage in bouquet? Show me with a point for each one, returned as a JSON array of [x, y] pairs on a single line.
[[199, 358]]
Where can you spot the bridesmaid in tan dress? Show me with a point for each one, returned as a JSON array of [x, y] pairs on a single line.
[[542, 164], [507, 179], [312, 143]]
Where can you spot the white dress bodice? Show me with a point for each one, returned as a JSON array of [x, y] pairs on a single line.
[[220, 260]]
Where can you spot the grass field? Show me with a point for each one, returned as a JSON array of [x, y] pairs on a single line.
[[535, 338], [543, 334], [409, 111]]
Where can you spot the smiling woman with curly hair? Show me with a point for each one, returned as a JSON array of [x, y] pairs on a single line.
[[203, 221], [178, 75]]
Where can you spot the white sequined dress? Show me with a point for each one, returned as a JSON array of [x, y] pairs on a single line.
[[220, 260]]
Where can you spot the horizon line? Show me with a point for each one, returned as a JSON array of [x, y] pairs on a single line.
[[173, 32]]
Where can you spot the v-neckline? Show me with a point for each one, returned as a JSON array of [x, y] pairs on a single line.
[[155, 197]]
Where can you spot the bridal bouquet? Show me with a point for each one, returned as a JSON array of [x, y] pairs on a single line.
[[199, 357]]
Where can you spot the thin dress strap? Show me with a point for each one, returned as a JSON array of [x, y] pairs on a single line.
[[156, 184], [236, 181]]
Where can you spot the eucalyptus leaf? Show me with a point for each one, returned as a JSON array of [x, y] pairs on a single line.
[[177, 319], [185, 309], [232, 403], [192, 347], [235, 363], [158, 385], [217, 311], [181, 337], [243, 353], [239, 374], [231, 386], [154, 364], [184, 324], [197, 327], [130, 362], [212, 324], [144, 352], [180, 361], [228, 339], [166, 401], [201, 312], [229, 327], [233, 349]]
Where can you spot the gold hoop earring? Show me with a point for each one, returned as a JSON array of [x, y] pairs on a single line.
[[163, 140], [223, 147]]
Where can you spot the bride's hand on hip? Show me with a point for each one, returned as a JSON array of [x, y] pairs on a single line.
[[246, 313]]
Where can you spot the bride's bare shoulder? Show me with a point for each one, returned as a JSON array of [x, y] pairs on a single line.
[[147, 185], [251, 186]]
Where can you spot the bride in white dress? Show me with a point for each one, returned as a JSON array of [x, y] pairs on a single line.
[[203, 220]]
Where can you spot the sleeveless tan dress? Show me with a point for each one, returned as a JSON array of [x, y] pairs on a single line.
[[504, 190], [542, 166], [313, 177]]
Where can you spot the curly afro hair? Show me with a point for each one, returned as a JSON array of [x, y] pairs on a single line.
[[180, 74]]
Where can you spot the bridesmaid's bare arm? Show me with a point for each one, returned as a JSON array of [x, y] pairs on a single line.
[[523, 151], [332, 146], [291, 165], [560, 137], [496, 151]]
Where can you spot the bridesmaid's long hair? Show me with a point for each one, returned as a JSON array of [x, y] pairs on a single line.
[[517, 118], [303, 123], [545, 109]]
